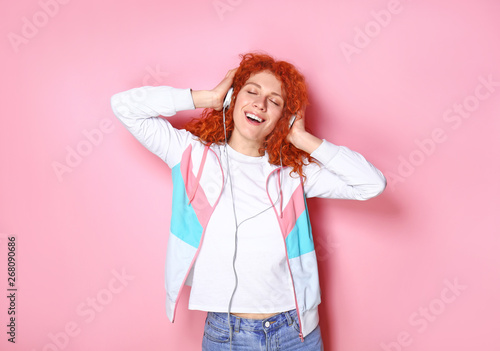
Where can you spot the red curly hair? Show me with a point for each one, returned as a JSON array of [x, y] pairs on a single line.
[[209, 127]]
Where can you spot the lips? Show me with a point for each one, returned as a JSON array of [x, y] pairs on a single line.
[[253, 118]]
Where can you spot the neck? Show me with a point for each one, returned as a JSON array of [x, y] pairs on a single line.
[[246, 147]]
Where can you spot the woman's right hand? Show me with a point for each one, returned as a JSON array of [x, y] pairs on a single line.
[[214, 98]]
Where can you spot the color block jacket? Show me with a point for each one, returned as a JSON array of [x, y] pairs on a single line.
[[198, 175]]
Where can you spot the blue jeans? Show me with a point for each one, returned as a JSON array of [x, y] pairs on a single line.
[[280, 332]]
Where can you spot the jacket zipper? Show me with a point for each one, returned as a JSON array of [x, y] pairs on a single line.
[[202, 234], [301, 335]]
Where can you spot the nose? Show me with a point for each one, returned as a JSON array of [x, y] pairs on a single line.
[[260, 102]]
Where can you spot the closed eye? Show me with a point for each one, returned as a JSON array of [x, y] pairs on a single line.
[[275, 102]]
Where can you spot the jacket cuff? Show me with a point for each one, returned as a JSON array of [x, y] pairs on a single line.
[[183, 100], [325, 152]]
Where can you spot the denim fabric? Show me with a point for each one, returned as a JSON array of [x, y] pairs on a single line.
[[280, 332]]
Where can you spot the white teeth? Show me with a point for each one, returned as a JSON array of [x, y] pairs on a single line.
[[254, 117]]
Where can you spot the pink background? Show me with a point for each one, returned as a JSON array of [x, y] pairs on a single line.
[[381, 85]]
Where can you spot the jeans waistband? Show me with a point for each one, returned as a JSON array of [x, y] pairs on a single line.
[[221, 320]]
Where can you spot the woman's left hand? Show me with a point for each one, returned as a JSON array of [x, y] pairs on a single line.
[[299, 137], [298, 126]]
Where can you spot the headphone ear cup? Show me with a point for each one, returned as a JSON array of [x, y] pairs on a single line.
[[225, 106], [227, 99]]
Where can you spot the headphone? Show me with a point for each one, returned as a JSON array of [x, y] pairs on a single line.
[[225, 106], [227, 99]]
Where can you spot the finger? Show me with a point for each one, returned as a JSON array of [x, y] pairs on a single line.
[[228, 79], [231, 73], [302, 111], [299, 123]]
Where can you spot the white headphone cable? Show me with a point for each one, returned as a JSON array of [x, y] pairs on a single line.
[[229, 178]]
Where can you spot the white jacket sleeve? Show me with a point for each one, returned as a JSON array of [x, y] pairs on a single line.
[[139, 110], [342, 174]]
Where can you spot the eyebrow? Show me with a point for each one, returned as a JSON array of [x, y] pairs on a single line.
[[257, 85]]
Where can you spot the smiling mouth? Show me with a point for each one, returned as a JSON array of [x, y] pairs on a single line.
[[254, 118]]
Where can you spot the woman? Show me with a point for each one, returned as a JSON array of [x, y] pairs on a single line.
[[240, 232]]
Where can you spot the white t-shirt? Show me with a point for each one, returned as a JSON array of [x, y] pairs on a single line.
[[264, 282]]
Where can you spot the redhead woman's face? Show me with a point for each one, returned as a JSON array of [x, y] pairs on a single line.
[[258, 107]]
